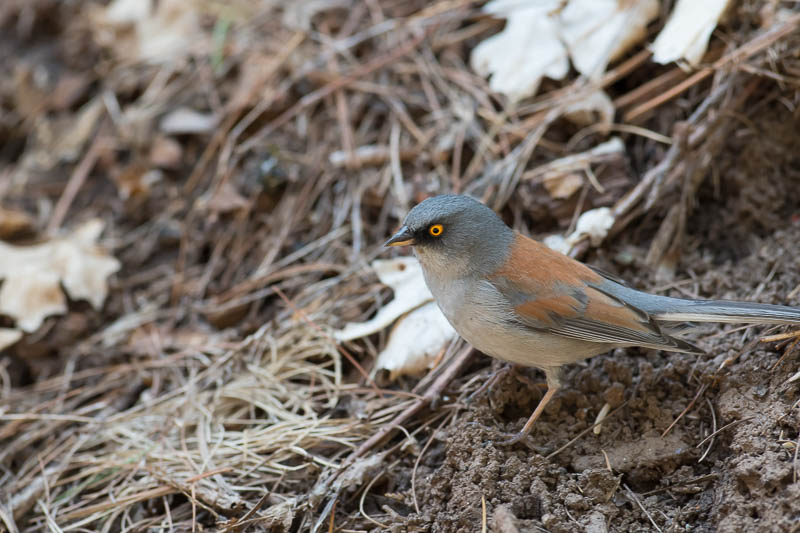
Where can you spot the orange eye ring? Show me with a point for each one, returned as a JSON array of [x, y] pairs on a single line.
[[436, 230]]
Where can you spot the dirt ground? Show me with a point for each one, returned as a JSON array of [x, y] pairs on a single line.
[[206, 393]]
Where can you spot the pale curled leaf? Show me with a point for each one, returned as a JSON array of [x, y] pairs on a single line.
[[562, 177], [404, 276], [224, 199], [33, 275], [143, 30], [593, 224], [420, 331], [541, 36], [686, 33], [598, 31], [416, 341], [595, 108], [528, 49]]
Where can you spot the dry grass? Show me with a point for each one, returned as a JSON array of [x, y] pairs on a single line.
[[201, 399]]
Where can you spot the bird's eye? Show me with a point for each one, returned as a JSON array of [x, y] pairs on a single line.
[[436, 230]]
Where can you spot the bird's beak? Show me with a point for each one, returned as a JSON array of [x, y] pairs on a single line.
[[403, 237]]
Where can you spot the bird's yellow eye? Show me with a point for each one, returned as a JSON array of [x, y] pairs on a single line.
[[436, 230]]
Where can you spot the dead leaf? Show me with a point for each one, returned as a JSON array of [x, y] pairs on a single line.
[[139, 30], [33, 275], [564, 176], [598, 31], [404, 276], [594, 225], [542, 35], [70, 88], [255, 70], [420, 331], [561, 186], [416, 341], [685, 35], [279, 515], [166, 152], [226, 199], [62, 139], [596, 108], [507, 57], [30, 97]]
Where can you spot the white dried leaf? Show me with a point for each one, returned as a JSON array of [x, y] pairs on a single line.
[[593, 224], [128, 11], [415, 341], [528, 48], [404, 276], [582, 160], [594, 108], [598, 31], [33, 275], [163, 32], [420, 331], [542, 35], [686, 33]]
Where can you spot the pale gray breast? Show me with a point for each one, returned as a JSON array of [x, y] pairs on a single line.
[[484, 318], [475, 308]]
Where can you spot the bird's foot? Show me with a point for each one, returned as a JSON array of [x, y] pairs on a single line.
[[512, 438]]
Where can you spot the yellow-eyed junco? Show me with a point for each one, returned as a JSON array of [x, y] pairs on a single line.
[[517, 300]]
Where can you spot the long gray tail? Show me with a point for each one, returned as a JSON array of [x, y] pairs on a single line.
[[663, 308], [676, 310]]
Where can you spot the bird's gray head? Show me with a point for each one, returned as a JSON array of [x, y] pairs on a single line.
[[455, 236]]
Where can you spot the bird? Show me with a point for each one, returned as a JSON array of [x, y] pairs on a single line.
[[513, 298]]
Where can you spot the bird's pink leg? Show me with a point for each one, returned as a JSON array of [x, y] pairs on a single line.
[[551, 390]]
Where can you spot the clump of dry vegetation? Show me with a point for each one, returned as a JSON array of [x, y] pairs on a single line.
[[247, 159]]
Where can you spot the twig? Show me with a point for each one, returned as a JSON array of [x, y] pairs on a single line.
[[633, 497], [720, 430], [713, 430], [702, 389], [585, 431], [75, 183]]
